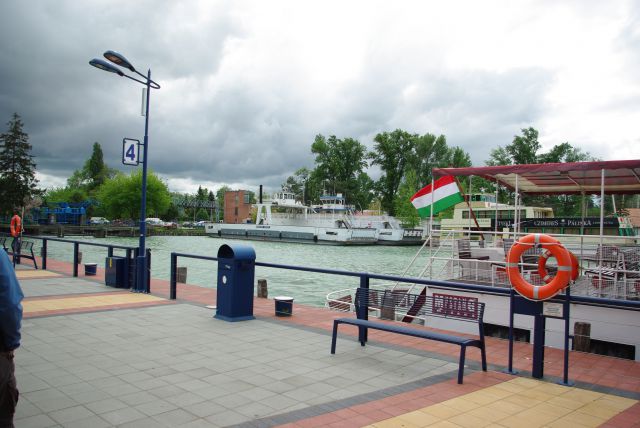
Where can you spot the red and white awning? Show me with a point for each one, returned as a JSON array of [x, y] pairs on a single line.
[[620, 177]]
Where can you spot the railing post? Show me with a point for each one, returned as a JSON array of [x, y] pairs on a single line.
[[363, 332], [76, 247], [43, 253], [129, 269], [148, 276], [172, 273], [109, 251]]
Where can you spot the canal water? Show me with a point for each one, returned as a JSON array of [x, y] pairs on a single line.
[[304, 287]]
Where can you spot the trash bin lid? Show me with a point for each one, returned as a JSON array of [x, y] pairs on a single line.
[[283, 298], [236, 251]]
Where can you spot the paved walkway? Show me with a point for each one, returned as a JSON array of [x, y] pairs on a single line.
[[95, 356]]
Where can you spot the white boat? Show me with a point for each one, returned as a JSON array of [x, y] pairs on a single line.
[[283, 218], [286, 220], [606, 295]]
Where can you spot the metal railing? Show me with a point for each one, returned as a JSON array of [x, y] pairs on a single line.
[[130, 254], [365, 278]]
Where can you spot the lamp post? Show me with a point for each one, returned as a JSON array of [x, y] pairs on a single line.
[[120, 60]]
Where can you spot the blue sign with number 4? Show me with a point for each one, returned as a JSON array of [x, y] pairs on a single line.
[[130, 151]]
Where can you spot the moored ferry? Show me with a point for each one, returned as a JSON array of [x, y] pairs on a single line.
[[283, 218], [606, 293]]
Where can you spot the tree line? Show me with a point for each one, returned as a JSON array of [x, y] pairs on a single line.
[[402, 160]]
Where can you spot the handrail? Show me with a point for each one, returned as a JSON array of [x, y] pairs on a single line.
[[365, 278], [76, 254]]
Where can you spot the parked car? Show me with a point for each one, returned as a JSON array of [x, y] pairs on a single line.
[[98, 220], [154, 221]]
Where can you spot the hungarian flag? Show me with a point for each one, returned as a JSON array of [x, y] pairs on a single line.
[[445, 194]]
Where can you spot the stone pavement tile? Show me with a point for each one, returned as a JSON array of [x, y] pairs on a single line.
[[90, 422], [226, 418], [156, 407], [184, 399], [175, 418], [106, 405], [122, 416], [71, 414], [199, 423], [205, 408], [36, 421], [138, 397], [30, 383], [89, 396], [25, 409]]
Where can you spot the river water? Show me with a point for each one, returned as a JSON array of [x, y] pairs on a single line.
[[304, 287]]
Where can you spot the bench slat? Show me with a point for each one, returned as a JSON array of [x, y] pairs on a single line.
[[408, 331]]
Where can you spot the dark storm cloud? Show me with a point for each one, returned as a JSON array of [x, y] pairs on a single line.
[[246, 86]]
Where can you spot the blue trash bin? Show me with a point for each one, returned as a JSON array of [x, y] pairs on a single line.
[[236, 273]]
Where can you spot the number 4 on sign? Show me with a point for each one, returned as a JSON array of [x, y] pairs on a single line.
[[130, 151]]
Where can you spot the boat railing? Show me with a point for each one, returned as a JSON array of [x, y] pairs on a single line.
[[599, 275]]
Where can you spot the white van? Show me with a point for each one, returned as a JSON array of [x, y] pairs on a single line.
[[153, 221]]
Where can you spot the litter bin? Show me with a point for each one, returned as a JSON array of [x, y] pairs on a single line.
[[114, 272], [284, 306], [236, 272], [90, 269]]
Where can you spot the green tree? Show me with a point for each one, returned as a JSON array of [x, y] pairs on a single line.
[[220, 197], [65, 194], [339, 162], [17, 168], [93, 173], [120, 196], [430, 151], [393, 151], [405, 211]]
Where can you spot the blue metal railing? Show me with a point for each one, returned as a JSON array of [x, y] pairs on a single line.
[[365, 278]]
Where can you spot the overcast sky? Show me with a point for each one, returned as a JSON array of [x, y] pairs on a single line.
[[246, 85]]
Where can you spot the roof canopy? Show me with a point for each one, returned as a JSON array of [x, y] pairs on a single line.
[[559, 178]]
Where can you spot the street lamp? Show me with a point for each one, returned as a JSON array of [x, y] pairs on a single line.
[[120, 60]]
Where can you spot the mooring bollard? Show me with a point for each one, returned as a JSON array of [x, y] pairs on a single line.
[[262, 288], [582, 336], [181, 275]]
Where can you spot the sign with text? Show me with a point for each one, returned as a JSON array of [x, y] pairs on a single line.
[[130, 151], [559, 222], [456, 306]]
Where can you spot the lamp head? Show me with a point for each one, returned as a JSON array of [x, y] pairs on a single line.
[[119, 59], [104, 65]]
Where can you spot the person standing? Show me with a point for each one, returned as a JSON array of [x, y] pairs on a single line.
[[16, 232], [10, 320]]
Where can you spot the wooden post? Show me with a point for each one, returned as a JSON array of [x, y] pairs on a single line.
[[582, 336], [181, 275], [262, 288]]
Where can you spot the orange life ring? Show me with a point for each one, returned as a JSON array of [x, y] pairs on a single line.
[[553, 287], [542, 266], [15, 226]]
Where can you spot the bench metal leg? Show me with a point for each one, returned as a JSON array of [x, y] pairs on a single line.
[[334, 336], [484, 357], [33, 257], [463, 350]]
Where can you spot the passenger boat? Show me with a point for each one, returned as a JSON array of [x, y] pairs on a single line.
[[605, 295], [284, 219]]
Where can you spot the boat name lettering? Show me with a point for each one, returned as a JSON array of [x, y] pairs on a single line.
[[559, 222], [458, 306]]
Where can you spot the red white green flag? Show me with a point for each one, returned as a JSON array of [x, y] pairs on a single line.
[[445, 194]]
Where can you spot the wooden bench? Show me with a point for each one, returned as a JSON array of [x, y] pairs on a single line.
[[26, 252], [438, 305]]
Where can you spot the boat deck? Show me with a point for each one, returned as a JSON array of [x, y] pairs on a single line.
[[97, 356]]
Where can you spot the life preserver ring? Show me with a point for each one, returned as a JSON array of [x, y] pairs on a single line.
[[542, 266], [555, 285], [15, 226]]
